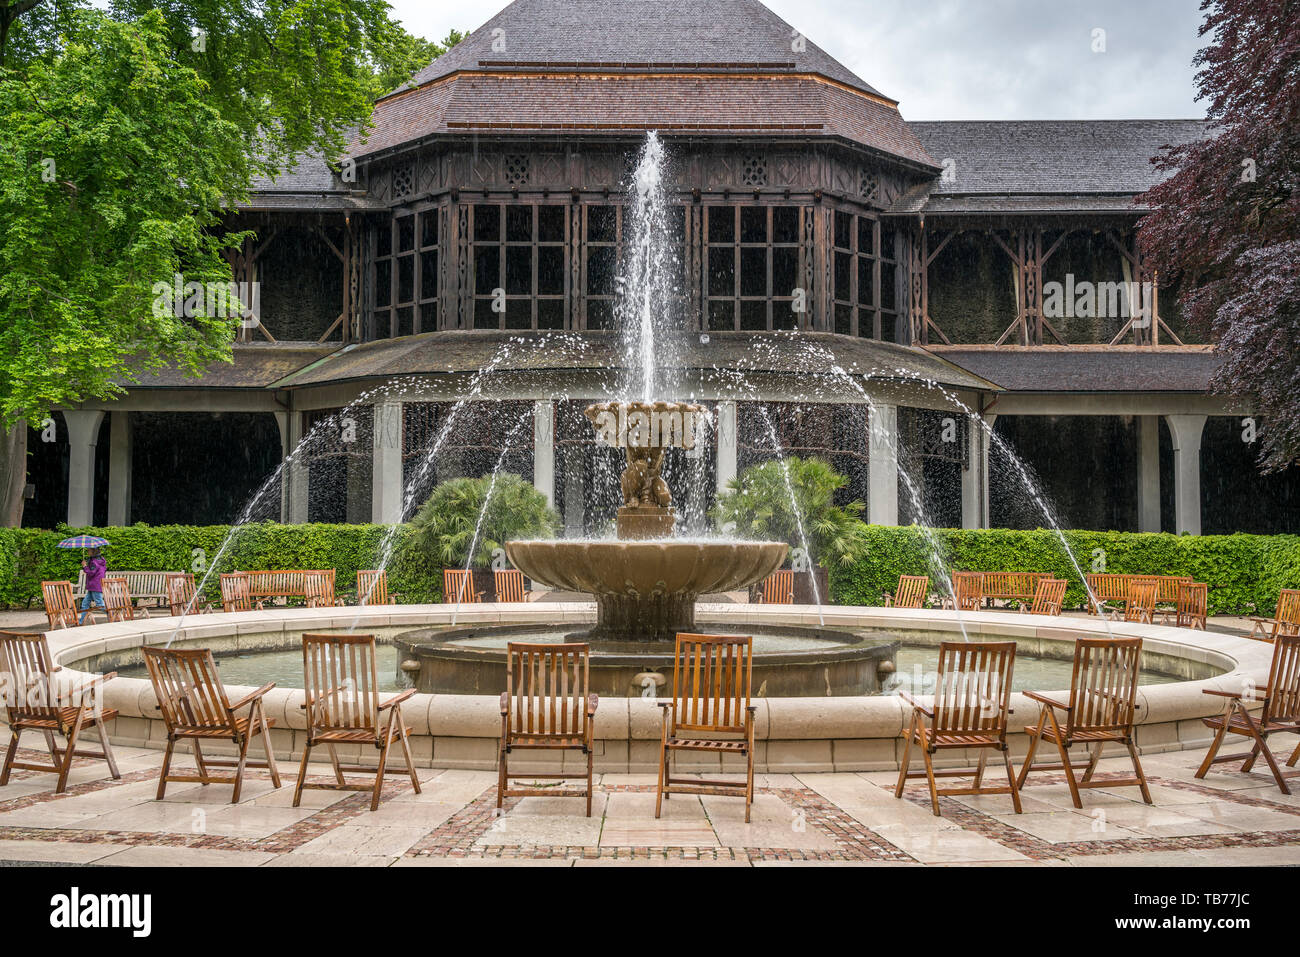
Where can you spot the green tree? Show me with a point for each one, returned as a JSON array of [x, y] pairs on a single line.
[[757, 505], [444, 528], [127, 136]]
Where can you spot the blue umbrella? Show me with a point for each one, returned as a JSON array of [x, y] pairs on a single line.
[[83, 541]]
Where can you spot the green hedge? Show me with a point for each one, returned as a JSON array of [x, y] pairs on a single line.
[[28, 556], [1245, 572]]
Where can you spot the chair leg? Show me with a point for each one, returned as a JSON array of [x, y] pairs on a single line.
[[239, 769], [1137, 769], [1214, 749], [334, 760], [1069, 771], [929, 776], [108, 750], [749, 781], [979, 767], [1092, 762], [410, 762], [1029, 755], [302, 775], [166, 767], [202, 765], [1011, 780], [590, 754], [907, 758], [1249, 763], [66, 769], [663, 767], [383, 763], [502, 775], [1295, 755], [1261, 746], [266, 746], [10, 753]]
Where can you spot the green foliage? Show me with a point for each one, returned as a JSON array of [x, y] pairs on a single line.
[[757, 503], [444, 528]]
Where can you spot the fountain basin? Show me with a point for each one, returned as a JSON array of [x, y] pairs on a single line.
[[645, 590], [788, 662]]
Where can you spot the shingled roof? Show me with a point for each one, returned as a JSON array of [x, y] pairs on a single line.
[[1049, 165], [1088, 368]]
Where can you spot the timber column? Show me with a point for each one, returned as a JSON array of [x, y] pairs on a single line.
[[83, 436], [882, 465], [386, 500], [1186, 433]]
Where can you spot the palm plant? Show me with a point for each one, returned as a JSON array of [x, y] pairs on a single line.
[[444, 528], [757, 504]]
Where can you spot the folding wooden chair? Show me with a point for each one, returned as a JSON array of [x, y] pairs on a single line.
[[1048, 597], [1191, 608], [778, 588], [711, 685], [343, 707], [34, 701], [458, 587], [972, 698], [318, 588], [118, 602], [60, 608], [195, 708], [237, 593], [181, 598], [1102, 709], [509, 585], [968, 590], [547, 706], [1281, 713], [912, 592], [1285, 621], [1139, 601], [372, 588]]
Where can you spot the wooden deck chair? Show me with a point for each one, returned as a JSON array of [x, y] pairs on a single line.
[[1048, 597], [547, 705], [318, 588], [181, 599], [711, 685], [372, 588], [1139, 602], [117, 600], [911, 593], [35, 701], [195, 708], [343, 707], [1281, 713], [60, 608], [1191, 609], [970, 709], [509, 585], [237, 593], [968, 590], [1285, 621], [1102, 709], [778, 588], [458, 587]]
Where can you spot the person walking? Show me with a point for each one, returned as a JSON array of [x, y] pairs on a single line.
[[95, 568]]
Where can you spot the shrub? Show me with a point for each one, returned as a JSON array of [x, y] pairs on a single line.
[[448, 524]]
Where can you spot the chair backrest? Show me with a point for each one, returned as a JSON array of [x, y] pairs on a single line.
[[711, 682], [1287, 615], [1140, 601], [117, 599], [340, 680], [372, 587], [968, 589], [1167, 586], [458, 586], [509, 585], [1011, 584], [188, 687], [318, 588], [1193, 603], [28, 668], [912, 590], [1283, 702], [1103, 685], [59, 606], [778, 587], [546, 689], [1048, 596], [972, 689], [180, 593], [236, 591], [1106, 586]]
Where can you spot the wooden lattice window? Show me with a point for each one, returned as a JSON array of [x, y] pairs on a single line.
[[404, 274], [864, 269], [518, 261], [754, 260]]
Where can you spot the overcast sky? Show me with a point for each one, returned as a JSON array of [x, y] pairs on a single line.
[[975, 59]]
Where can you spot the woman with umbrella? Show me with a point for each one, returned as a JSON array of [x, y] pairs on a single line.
[[94, 567]]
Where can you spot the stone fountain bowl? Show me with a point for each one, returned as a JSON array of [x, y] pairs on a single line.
[[646, 569]]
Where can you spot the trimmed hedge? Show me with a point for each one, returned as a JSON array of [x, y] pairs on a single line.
[[1245, 572]]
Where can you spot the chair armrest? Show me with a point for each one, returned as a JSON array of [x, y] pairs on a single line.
[[397, 699], [505, 703], [928, 712], [667, 704], [252, 696], [1042, 699], [593, 702]]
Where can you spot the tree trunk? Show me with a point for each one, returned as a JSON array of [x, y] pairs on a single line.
[[13, 475]]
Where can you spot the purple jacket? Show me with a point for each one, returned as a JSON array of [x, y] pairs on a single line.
[[95, 568]]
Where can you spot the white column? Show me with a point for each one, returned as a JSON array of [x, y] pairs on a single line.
[[882, 495], [975, 476], [294, 477], [119, 468], [83, 434], [1148, 473], [544, 448], [1185, 430], [386, 480], [726, 443]]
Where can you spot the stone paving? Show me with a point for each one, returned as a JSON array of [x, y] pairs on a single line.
[[1230, 818]]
